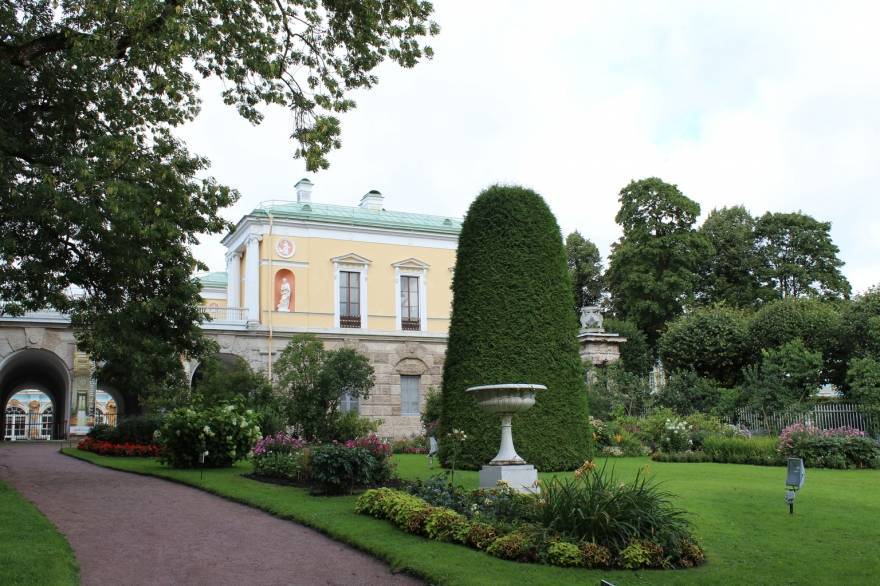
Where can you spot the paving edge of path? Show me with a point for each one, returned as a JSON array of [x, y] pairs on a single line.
[[303, 521]]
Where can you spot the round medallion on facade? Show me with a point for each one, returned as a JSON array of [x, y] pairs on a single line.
[[285, 248]]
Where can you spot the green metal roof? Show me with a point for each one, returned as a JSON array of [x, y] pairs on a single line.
[[357, 216], [217, 279]]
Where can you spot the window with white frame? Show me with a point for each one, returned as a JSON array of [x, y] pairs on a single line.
[[409, 303], [349, 299], [410, 391], [349, 403]]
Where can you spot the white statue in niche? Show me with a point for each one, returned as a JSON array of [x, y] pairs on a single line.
[[284, 302]]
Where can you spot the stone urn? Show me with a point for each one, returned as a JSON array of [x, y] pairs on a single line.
[[507, 400]]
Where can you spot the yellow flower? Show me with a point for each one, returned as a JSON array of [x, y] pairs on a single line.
[[618, 438], [585, 468]]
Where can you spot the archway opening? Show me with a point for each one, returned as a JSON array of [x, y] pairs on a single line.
[[35, 382]]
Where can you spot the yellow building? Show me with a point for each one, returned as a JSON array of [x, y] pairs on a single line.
[[362, 276]]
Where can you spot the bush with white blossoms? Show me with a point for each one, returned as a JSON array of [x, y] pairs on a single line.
[[224, 434], [676, 436]]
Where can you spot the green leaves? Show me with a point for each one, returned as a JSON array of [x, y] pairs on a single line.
[[653, 267], [96, 193], [312, 382], [798, 256]]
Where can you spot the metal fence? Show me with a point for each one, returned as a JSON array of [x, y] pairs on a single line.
[[823, 416]]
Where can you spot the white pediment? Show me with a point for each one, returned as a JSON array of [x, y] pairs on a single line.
[[351, 259], [412, 264]]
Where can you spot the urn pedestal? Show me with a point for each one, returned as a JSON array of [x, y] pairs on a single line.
[[507, 465]]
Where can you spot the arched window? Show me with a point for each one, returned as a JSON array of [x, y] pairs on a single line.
[[15, 423], [47, 418]]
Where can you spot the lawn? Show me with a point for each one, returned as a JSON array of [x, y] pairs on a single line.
[[31, 549], [738, 512]]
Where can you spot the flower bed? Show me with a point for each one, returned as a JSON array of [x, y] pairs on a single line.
[[590, 520], [114, 449], [840, 447], [329, 469]]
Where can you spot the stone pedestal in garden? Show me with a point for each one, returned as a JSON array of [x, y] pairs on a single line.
[[507, 466], [596, 346]]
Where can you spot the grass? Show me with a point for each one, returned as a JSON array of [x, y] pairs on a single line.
[[738, 511], [32, 551]]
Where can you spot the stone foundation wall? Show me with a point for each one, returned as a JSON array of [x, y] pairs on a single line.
[[391, 357]]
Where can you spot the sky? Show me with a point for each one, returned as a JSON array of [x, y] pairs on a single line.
[[773, 105]]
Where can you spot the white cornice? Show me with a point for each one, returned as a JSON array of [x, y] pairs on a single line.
[[306, 229]]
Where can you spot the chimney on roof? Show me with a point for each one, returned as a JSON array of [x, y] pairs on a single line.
[[304, 190], [373, 200]]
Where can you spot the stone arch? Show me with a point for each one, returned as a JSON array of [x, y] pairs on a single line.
[[227, 360], [42, 370], [118, 398], [411, 365]]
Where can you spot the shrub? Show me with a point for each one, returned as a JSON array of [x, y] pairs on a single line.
[[337, 469], [281, 456], [412, 445], [676, 436], [840, 447], [517, 546], [686, 393], [713, 341], [372, 502], [562, 553], [350, 425], [446, 525], [739, 450], [501, 503], [689, 457], [226, 433], [480, 535], [594, 555], [137, 429], [312, 382], [102, 432], [634, 556], [512, 321]]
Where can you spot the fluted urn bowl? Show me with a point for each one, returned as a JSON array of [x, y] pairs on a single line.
[[506, 400]]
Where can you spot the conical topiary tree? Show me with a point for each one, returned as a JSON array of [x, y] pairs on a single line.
[[512, 323]]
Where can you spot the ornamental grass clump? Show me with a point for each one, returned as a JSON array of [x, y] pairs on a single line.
[[594, 506]]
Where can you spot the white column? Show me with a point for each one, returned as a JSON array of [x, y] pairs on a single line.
[[252, 278], [233, 279]]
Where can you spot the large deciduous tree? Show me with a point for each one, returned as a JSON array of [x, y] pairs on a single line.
[[585, 267], [798, 256], [96, 193], [653, 268], [731, 274], [512, 323]]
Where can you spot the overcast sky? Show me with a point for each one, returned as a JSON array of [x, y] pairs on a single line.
[[772, 105]]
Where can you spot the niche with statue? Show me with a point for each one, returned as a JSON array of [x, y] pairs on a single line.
[[284, 290]]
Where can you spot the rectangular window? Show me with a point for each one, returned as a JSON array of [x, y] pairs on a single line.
[[349, 299], [409, 394], [349, 403], [409, 303]]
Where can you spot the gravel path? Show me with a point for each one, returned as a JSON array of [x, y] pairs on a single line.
[[131, 529]]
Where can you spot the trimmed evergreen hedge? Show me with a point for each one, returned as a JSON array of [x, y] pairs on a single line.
[[512, 323]]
